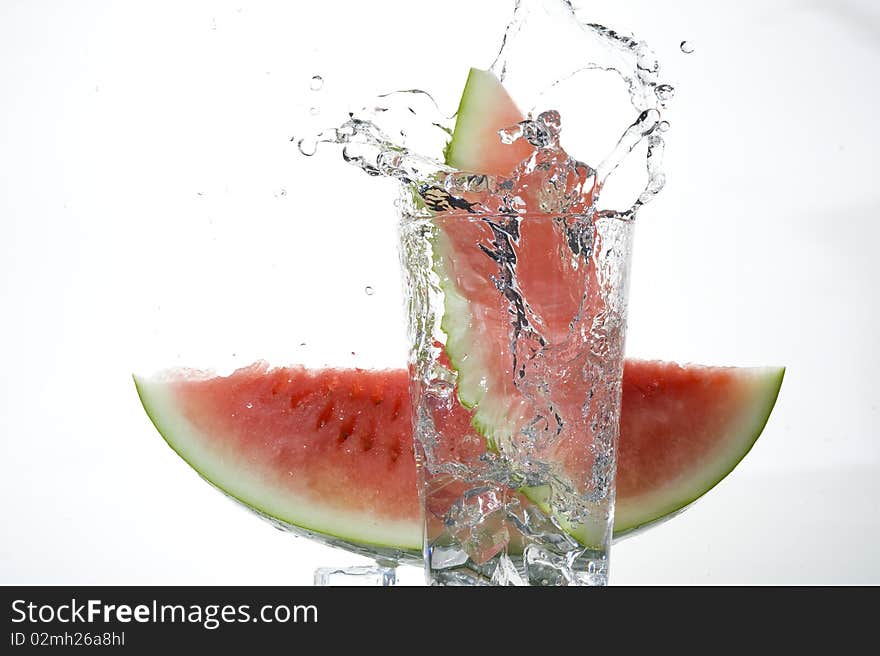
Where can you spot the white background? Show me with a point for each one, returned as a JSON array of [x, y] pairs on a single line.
[[154, 213]]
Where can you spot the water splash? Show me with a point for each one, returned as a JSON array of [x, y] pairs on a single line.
[[403, 134], [578, 45], [307, 146], [686, 47], [665, 92]]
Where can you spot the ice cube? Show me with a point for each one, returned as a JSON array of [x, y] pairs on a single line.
[[478, 521], [445, 556], [365, 575], [506, 573]]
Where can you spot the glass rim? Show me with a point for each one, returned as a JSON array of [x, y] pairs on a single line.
[[593, 217]]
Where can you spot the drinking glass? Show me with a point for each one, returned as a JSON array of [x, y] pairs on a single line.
[[516, 328]]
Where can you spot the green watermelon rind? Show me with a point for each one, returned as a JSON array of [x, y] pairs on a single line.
[[350, 529], [475, 94], [493, 414], [765, 393], [490, 420], [493, 417]]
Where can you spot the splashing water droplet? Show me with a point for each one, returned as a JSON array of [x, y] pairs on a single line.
[[511, 134], [281, 193], [369, 291], [663, 126], [665, 92], [686, 47], [316, 83], [307, 147], [314, 111]]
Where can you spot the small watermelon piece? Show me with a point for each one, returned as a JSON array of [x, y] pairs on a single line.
[[331, 452], [484, 109]]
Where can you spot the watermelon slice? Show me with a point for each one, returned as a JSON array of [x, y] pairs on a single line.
[[485, 108], [477, 317], [329, 452]]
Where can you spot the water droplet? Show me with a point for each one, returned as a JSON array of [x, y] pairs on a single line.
[[281, 193], [369, 290], [314, 111], [551, 121], [307, 147], [665, 91], [686, 47], [249, 406], [511, 134], [663, 126], [316, 83], [647, 62]]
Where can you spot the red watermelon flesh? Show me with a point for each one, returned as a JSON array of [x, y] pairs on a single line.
[[330, 451]]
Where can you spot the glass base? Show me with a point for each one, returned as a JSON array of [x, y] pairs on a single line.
[[362, 575], [537, 567]]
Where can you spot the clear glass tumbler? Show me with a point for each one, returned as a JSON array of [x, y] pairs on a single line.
[[516, 325]]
